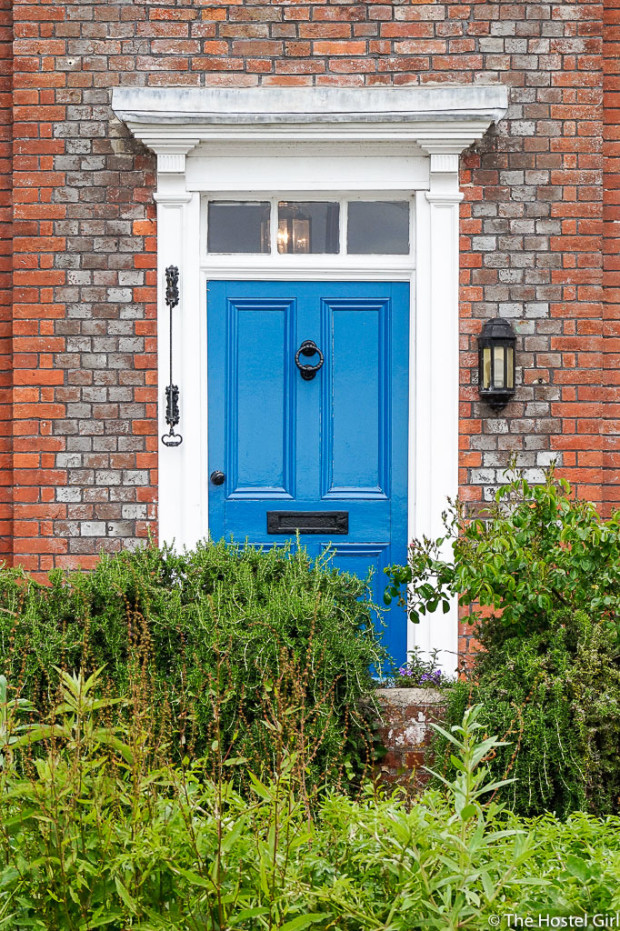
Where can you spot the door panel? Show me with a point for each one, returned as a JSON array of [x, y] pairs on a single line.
[[261, 436], [355, 450], [358, 559], [335, 443]]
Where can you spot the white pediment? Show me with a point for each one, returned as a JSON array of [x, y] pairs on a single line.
[[441, 119]]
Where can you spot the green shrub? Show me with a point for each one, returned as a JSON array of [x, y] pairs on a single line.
[[556, 696], [94, 837], [540, 573], [208, 645]]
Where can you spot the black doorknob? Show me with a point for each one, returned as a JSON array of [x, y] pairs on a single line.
[[218, 478]]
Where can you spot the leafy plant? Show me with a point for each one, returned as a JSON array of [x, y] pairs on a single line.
[[421, 671], [539, 574], [537, 552], [425, 583], [470, 845], [77, 727], [10, 729], [534, 551], [91, 837], [217, 640]]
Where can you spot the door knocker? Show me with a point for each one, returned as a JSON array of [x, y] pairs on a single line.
[[308, 348]]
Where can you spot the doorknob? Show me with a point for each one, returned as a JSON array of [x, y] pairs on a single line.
[[218, 478], [308, 348]]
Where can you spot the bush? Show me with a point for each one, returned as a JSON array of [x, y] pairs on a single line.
[[94, 837], [556, 696], [209, 645], [540, 574]]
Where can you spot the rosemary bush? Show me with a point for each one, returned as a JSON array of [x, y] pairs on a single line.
[[207, 645]]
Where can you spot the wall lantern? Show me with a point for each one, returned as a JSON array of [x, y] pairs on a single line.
[[293, 231], [496, 354]]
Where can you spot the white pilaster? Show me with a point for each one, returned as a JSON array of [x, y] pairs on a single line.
[[180, 468], [434, 428]]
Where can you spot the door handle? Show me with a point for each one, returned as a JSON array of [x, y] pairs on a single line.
[[308, 348], [218, 478]]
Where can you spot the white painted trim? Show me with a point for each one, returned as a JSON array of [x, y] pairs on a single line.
[[406, 104], [434, 386], [325, 173], [453, 116], [295, 271], [406, 139]]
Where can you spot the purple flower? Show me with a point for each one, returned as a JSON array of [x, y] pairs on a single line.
[[434, 677]]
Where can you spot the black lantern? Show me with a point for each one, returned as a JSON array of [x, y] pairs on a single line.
[[496, 354]]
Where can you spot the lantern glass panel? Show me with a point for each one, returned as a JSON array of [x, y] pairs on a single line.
[[499, 380], [486, 368], [510, 367]]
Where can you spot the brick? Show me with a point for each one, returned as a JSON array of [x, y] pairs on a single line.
[[536, 191], [339, 48]]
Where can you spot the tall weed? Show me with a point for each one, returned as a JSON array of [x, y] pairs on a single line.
[[91, 837]]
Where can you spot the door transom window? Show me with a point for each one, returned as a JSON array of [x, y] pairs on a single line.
[[309, 227]]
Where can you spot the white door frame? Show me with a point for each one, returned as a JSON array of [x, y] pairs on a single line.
[[381, 141]]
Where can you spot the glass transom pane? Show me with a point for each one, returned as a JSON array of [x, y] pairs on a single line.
[[308, 227], [238, 226], [378, 227]]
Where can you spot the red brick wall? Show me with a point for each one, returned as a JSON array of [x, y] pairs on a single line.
[[84, 399], [532, 243], [6, 478], [611, 251], [404, 730]]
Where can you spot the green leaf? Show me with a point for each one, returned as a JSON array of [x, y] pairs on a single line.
[[195, 879], [229, 840], [469, 811], [578, 868], [304, 921], [236, 761], [114, 743], [99, 921], [444, 733], [487, 884], [261, 790], [125, 896], [457, 763], [250, 913]]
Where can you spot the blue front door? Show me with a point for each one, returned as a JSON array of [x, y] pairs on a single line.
[[322, 451]]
